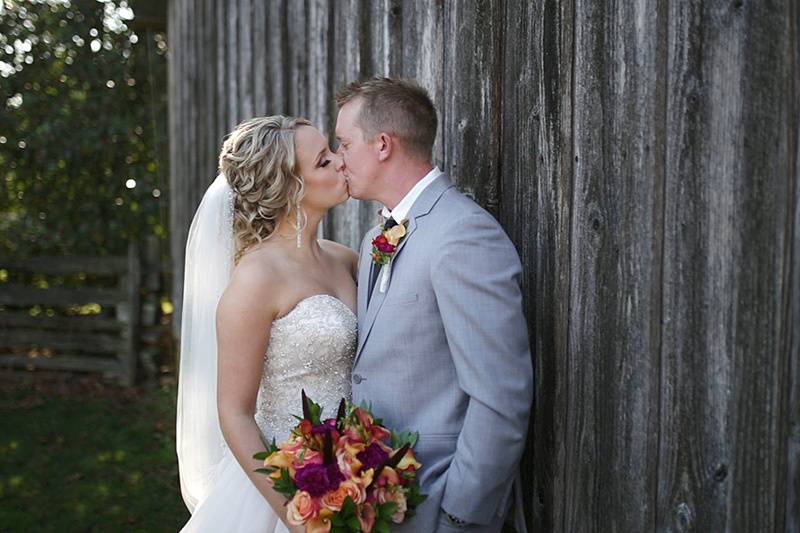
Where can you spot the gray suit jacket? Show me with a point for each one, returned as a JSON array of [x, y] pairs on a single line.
[[444, 351]]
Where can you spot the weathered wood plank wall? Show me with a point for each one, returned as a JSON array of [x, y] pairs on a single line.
[[643, 156]]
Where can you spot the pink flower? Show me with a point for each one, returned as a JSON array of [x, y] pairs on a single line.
[[364, 417], [302, 508], [379, 433], [352, 435], [367, 518], [291, 445], [310, 457], [346, 464], [388, 476], [384, 495]]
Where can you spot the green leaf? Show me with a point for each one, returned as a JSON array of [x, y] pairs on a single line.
[[268, 470], [261, 455], [272, 447], [311, 411], [348, 507], [414, 497], [381, 526], [354, 524], [285, 485], [405, 437], [387, 509]]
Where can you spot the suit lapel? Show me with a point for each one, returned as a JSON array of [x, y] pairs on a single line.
[[377, 298], [364, 271], [421, 207]]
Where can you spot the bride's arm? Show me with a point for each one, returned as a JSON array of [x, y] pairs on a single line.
[[244, 317]]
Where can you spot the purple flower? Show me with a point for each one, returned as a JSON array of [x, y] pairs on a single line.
[[373, 457], [320, 429], [318, 479]]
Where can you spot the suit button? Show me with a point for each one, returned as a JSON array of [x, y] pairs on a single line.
[[357, 379]]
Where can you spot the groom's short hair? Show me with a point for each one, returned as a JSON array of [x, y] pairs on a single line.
[[396, 106]]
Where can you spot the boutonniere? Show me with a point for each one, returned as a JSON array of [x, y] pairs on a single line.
[[384, 246]]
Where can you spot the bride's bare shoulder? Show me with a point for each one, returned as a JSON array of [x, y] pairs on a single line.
[[258, 279], [342, 253]]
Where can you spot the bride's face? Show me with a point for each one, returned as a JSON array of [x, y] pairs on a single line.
[[321, 170]]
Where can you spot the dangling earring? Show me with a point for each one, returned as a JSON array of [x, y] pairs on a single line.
[[297, 228]]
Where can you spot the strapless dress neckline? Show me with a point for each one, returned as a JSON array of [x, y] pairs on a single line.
[[308, 299]]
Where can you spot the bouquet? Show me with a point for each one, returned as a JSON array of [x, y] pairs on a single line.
[[344, 474]]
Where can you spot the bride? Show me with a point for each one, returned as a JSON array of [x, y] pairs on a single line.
[[267, 311]]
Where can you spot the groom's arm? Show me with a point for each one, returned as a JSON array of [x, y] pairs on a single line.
[[476, 283]]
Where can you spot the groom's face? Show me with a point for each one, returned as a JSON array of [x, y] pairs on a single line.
[[359, 156]]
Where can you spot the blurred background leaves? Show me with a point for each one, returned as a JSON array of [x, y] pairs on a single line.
[[83, 142]]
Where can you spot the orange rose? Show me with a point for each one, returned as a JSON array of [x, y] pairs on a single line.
[[334, 500], [302, 508]]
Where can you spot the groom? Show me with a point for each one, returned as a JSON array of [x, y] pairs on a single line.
[[443, 346]]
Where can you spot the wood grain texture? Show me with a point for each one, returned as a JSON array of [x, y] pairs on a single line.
[[536, 185], [350, 41], [472, 103], [611, 408], [421, 40], [644, 159]]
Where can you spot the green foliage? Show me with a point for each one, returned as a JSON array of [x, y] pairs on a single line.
[[84, 118], [312, 411], [285, 485], [413, 498], [346, 520], [404, 437], [271, 447]]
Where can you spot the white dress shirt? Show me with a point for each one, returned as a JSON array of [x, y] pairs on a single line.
[[404, 206]]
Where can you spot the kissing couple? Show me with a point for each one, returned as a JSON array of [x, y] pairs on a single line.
[[429, 331]]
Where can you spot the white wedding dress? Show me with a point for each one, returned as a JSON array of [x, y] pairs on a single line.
[[312, 348]]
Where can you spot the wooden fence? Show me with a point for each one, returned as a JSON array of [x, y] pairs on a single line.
[[66, 338], [643, 156], [88, 314]]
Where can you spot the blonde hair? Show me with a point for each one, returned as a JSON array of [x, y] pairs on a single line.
[[259, 160]]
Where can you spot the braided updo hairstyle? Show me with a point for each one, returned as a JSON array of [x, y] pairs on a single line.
[[259, 160]]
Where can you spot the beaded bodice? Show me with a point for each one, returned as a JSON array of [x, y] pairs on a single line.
[[312, 348]]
